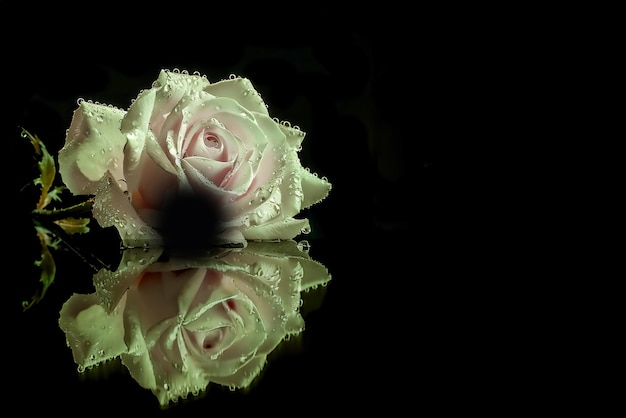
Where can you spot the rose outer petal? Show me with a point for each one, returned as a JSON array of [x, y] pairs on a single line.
[[282, 229], [111, 286], [241, 90], [112, 208], [93, 335], [93, 146], [244, 376], [314, 189]]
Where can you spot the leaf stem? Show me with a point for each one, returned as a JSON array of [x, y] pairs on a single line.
[[71, 211], [66, 239]]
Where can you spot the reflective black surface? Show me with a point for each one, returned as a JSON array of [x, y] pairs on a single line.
[[385, 329]]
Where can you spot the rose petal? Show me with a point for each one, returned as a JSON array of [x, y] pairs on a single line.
[[293, 135], [240, 90], [243, 377], [291, 194], [112, 208], [93, 335], [270, 310], [157, 153], [273, 130], [301, 188], [282, 229], [93, 146], [112, 285], [314, 188], [169, 88], [315, 274], [138, 116], [137, 359], [220, 111], [135, 127]]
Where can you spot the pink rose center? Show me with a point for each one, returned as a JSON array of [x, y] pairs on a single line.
[[212, 339], [211, 141]]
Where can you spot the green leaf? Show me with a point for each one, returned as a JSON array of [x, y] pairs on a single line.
[[74, 225], [48, 269], [47, 171]]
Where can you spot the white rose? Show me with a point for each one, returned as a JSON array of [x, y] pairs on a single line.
[[187, 138]]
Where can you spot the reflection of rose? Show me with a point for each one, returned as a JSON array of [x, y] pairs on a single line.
[[180, 325], [187, 136]]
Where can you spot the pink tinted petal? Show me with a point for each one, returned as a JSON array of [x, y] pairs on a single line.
[[202, 185], [155, 186], [243, 127], [113, 208], [239, 178], [212, 171], [205, 143], [154, 298]]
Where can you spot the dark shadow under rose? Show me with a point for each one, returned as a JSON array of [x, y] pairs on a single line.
[[180, 324]]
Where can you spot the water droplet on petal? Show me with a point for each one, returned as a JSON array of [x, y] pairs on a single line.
[[304, 246]]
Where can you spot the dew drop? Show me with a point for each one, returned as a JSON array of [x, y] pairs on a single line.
[[304, 246]]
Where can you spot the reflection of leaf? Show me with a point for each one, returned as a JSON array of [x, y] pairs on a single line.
[[73, 225], [57, 223], [46, 264], [53, 194]]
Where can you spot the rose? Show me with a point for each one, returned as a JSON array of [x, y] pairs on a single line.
[[179, 325], [186, 137]]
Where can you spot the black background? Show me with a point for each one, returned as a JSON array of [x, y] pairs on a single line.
[[392, 120]]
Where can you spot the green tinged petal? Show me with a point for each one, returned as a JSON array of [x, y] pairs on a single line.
[[93, 335]]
